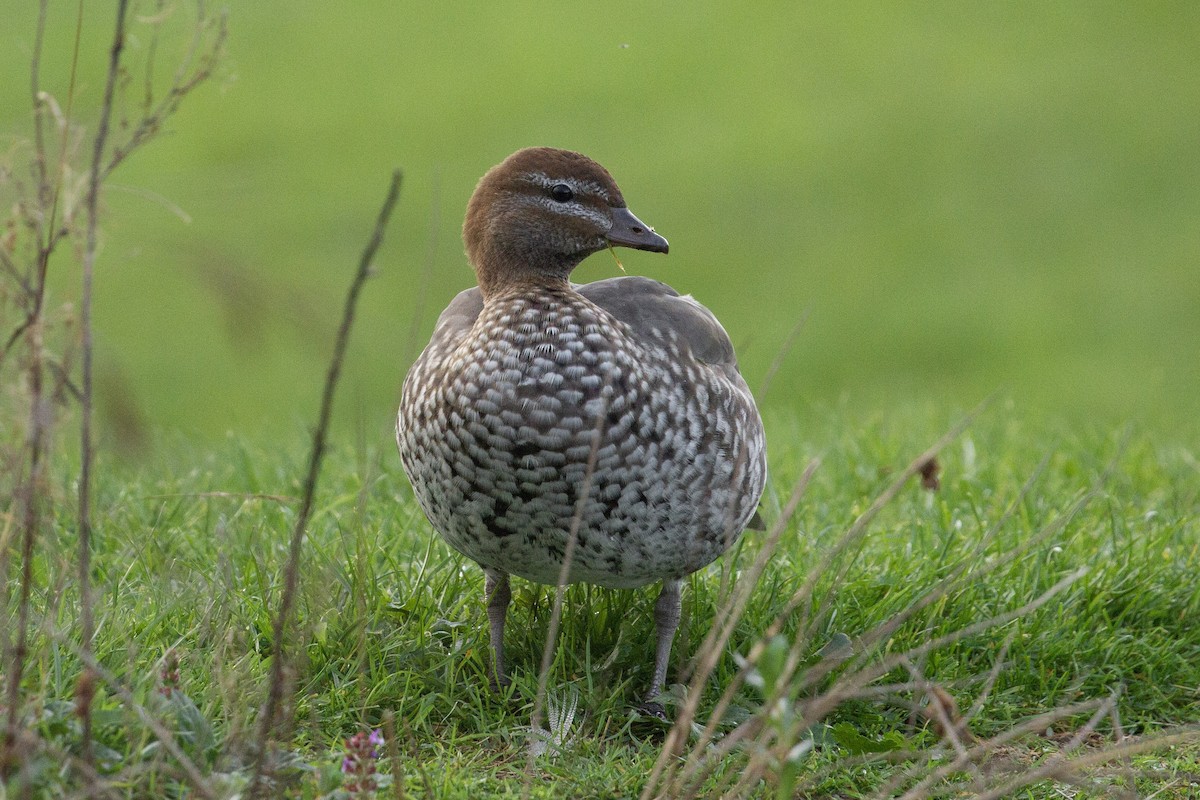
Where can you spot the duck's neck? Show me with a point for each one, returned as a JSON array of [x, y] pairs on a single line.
[[499, 283]]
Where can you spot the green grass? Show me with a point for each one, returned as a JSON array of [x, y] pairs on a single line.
[[390, 628]]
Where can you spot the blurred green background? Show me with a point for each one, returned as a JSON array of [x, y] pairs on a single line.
[[961, 197]]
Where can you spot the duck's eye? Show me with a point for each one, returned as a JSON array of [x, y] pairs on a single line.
[[562, 193]]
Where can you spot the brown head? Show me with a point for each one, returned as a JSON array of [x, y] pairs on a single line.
[[538, 213]]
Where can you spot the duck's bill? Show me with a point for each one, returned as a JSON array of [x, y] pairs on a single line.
[[629, 231]]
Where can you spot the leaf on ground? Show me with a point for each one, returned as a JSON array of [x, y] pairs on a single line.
[[849, 738]]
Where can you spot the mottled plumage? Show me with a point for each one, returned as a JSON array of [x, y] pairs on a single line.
[[612, 412]]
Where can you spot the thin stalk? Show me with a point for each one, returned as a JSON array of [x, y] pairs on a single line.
[[86, 449], [31, 487], [292, 571]]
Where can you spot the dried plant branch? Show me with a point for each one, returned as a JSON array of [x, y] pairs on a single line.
[[885, 630], [973, 562], [276, 498], [1052, 528], [54, 232], [781, 356], [920, 790], [31, 485], [151, 59], [992, 677], [1120, 739], [196, 66], [31, 743], [421, 295], [942, 710], [39, 125], [393, 753], [848, 686], [10, 267], [942, 769], [270, 710], [86, 446]]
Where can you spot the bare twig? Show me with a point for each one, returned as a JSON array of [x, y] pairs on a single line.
[[771, 744], [52, 231], [10, 267], [39, 129], [29, 743], [822, 705], [277, 498], [860, 525], [942, 768], [31, 485], [86, 448], [270, 709], [151, 59], [195, 68], [781, 356], [421, 295]]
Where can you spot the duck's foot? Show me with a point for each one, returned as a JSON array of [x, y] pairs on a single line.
[[652, 709]]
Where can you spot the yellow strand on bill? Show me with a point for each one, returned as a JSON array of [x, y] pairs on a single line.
[[612, 250]]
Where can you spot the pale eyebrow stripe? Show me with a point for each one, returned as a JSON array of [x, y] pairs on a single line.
[[579, 187]]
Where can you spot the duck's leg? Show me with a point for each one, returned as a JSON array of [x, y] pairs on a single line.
[[666, 620], [499, 595]]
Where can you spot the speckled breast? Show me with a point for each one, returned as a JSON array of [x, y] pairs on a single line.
[[546, 419]]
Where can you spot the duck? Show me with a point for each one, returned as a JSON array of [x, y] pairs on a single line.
[[563, 432]]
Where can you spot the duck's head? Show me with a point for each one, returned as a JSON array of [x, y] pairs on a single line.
[[537, 214]]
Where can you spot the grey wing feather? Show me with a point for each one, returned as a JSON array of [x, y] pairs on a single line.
[[456, 321], [645, 304]]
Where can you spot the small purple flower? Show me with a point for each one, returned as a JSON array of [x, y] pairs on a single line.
[[359, 764], [169, 674]]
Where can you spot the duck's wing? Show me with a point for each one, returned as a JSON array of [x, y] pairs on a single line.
[[654, 311], [456, 321]]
